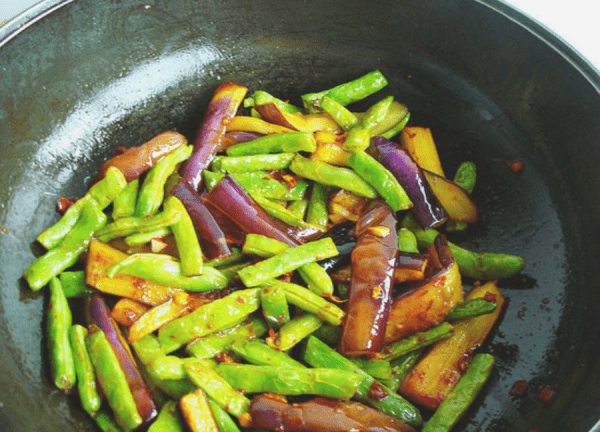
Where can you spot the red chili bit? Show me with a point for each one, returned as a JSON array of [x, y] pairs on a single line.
[[377, 392], [545, 394], [224, 357], [411, 134], [515, 166], [63, 204], [240, 300], [490, 297], [4, 230], [272, 334], [519, 388]]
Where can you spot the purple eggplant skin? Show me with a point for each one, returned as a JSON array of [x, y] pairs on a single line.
[[427, 208], [344, 239], [212, 239], [320, 414], [373, 262], [98, 314], [221, 109], [229, 197]]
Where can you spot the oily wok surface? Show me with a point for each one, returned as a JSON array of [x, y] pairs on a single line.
[[81, 78]]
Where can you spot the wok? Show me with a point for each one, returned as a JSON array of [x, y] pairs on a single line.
[[80, 78]]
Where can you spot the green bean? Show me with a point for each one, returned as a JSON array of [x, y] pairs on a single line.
[[329, 333], [407, 242], [230, 272], [86, 378], [392, 132], [460, 398], [106, 422], [465, 177], [209, 318], [357, 139], [327, 174], [73, 284], [112, 380], [166, 270], [261, 183], [315, 277], [317, 212], [260, 97], [401, 367], [298, 208], [278, 211], [347, 93], [287, 261], [152, 190], [173, 368], [188, 245], [318, 354], [332, 383], [310, 302], [213, 344], [342, 116], [68, 251], [124, 203], [259, 353], [103, 192], [218, 389], [294, 331], [482, 266], [148, 348], [274, 306], [420, 340], [131, 225], [258, 162], [235, 258], [381, 179], [143, 238], [378, 369], [275, 143], [169, 419], [222, 417], [58, 323], [471, 308], [376, 113]]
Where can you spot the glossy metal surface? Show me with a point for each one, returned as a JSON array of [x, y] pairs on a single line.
[[86, 77]]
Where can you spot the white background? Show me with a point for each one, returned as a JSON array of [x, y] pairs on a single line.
[[575, 21]]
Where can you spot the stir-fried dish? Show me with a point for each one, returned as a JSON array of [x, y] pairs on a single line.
[[286, 271]]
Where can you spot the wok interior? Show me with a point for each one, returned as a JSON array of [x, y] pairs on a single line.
[[91, 77]]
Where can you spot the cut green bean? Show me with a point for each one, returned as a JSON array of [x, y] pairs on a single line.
[[222, 417], [259, 353], [58, 324], [103, 192], [152, 190], [112, 380], [132, 225], [294, 331], [70, 248], [357, 139], [209, 318], [274, 306], [460, 398], [329, 333], [407, 242], [401, 367], [348, 92], [260, 97], [318, 354], [166, 270], [124, 203], [106, 421], [471, 308], [392, 132], [316, 278], [287, 261], [417, 341], [213, 344], [465, 177], [332, 383], [342, 116], [310, 302], [73, 284], [235, 258], [298, 208], [378, 369], [258, 162], [278, 211], [261, 183], [146, 237], [381, 179], [169, 419], [275, 143], [218, 389], [327, 174], [317, 212], [173, 367], [188, 245], [482, 266], [86, 378]]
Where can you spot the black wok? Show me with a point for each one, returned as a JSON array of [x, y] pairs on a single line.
[[80, 78]]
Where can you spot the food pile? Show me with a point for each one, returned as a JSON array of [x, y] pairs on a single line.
[[287, 271]]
